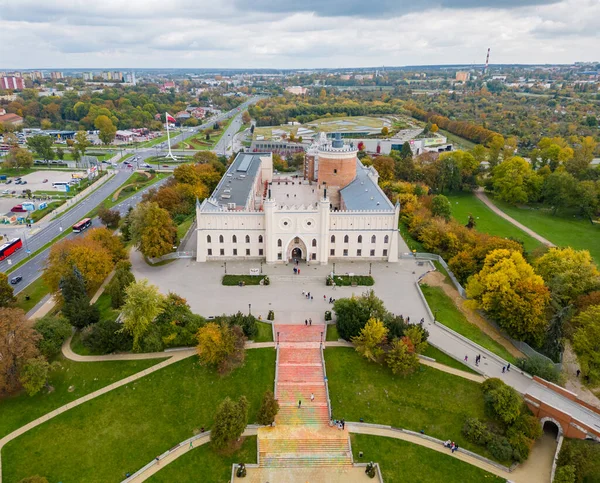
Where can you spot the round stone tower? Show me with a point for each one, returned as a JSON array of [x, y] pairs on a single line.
[[337, 163]]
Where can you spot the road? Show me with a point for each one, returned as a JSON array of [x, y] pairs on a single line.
[[31, 270]]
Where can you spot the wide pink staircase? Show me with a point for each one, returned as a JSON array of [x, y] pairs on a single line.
[[302, 436]]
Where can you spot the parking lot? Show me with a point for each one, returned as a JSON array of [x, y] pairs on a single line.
[[35, 181]]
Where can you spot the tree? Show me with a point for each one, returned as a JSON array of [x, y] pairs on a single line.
[[269, 407], [110, 218], [417, 336], [106, 127], [7, 297], [385, 131], [221, 346], [54, 330], [205, 157], [514, 181], [565, 474], [60, 153], [110, 242], [34, 375], [568, 273], [586, 341], [385, 167], [186, 173], [81, 142], [352, 314], [122, 279], [440, 206], [503, 401], [406, 151], [42, 146], [75, 154], [153, 230], [230, 422], [369, 343], [18, 344], [246, 117], [77, 308], [143, 303], [19, 158], [559, 190], [400, 359], [509, 290]]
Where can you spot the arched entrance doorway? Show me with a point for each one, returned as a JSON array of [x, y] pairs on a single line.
[[551, 427], [296, 250]]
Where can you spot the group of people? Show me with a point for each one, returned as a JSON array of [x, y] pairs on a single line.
[[306, 294], [308, 322], [296, 270], [331, 299], [506, 368], [451, 444], [340, 424]]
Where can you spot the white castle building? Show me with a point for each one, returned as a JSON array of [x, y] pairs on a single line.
[[337, 211]]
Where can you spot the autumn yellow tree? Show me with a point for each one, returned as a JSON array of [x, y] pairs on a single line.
[[111, 243], [221, 346], [510, 292], [153, 230], [143, 303], [369, 343]]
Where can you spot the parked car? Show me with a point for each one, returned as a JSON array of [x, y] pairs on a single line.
[[16, 280], [18, 181], [5, 192], [18, 209], [9, 181], [23, 182], [45, 181]]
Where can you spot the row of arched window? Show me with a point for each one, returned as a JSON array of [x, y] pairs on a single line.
[[386, 239], [233, 239]]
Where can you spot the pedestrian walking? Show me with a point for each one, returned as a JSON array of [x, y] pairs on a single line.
[[508, 367], [466, 358], [333, 285], [503, 369], [298, 271], [578, 372], [191, 444], [309, 321], [343, 423], [299, 404], [308, 294], [311, 297], [324, 298], [312, 397], [306, 322], [303, 293]]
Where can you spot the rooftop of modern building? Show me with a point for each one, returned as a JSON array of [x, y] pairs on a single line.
[[363, 193]]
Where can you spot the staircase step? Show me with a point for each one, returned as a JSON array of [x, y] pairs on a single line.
[[299, 356], [300, 333], [303, 445], [306, 461]]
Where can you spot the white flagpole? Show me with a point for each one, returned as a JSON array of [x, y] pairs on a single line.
[[169, 154]]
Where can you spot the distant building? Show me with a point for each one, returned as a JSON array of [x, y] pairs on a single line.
[[12, 83], [167, 86], [88, 76], [463, 76], [297, 90], [56, 75], [11, 120], [124, 136]]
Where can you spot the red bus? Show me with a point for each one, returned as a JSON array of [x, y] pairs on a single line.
[[82, 225], [9, 248]]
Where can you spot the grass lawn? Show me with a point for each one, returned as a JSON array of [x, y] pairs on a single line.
[[36, 291], [401, 461], [233, 280], [184, 226], [122, 430], [104, 306], [347, 280], [445, 359], [265, 332], [214, 467], [449, 315], [410, 241], [429, 400], [487, 221], [332, 333], [85, 377], [563, 231], [461, 142]]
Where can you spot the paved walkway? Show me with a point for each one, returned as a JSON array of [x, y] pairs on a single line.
[[483, 197]]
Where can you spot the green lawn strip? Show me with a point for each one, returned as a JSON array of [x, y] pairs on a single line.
[[440, 268], [184, 226], [213, 467], [36, 291], [402, 461], [104, 306], [109, 203], [561, 230], [429, 400], [461, 142], [442, 358], [122, 430], [83, 377], [332, 333], [410, 241], [39, 214], [486, 220], [232, 280], [449, 315], [265, 332], [347, 280]]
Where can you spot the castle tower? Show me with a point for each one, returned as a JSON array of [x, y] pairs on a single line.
[[337, 167]]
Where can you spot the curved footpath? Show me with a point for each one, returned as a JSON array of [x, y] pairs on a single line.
[[483, 197]]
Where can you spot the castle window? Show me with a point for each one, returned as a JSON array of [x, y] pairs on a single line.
[[359, 238], [222, 252], [279, 256], [385, 252], [235, 251], [332, 238], [260, 239], [247, 238], [207, 238], [332, 252], [247, 252], [209, 252], [335, 171], [346, 239], [373, 239], [346, 252], [221, 239], [260, 252], [314, 242], [234, 239], [372, 253], [359, 253], [279, 242], [386, 239]]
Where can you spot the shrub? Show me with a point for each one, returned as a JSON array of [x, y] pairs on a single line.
[[528, 425], [352, 314], [54, 331], [246, 322], [500, 448], [477, 432], [539, 366], [565, 474], [106, 337], [504, 403], [520, 443], [268, 409], [271, 315], [327, 315], [230, 421]]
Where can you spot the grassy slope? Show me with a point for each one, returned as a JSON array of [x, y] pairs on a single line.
[[442, 358], [265, 332], [85, 377], [428, 400], [401, 461], [562, 231], [127, 427], [487, 221], [214, 467], [451, 317]]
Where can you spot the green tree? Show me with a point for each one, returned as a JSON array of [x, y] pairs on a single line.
[[7, 297], [205, 157], [153, 230], [352, 314], [143, 303], [42, 146], [81, 142], [406, 151], [75, 154], [400, 359], [106, 127], [559, 190], [34, 375], [54, 330], [369, 343], [440, 206], [77, 308], [586, 341], [565, 474], [502, 400], [21, 158], [60, 153], [417, 336], [122, 279], [110, 218], [514, 181], [230, 422], [269, 407]]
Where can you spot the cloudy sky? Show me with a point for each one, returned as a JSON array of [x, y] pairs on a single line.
[[294, 34]]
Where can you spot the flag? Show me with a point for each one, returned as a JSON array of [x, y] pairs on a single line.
[[169, 117]]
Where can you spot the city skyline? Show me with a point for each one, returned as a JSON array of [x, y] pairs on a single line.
[[180, 34]]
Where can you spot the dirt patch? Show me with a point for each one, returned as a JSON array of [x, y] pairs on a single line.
[[437, 279], [574, 383]]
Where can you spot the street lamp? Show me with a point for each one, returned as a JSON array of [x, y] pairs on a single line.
[[435, 316], [249, 309]]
